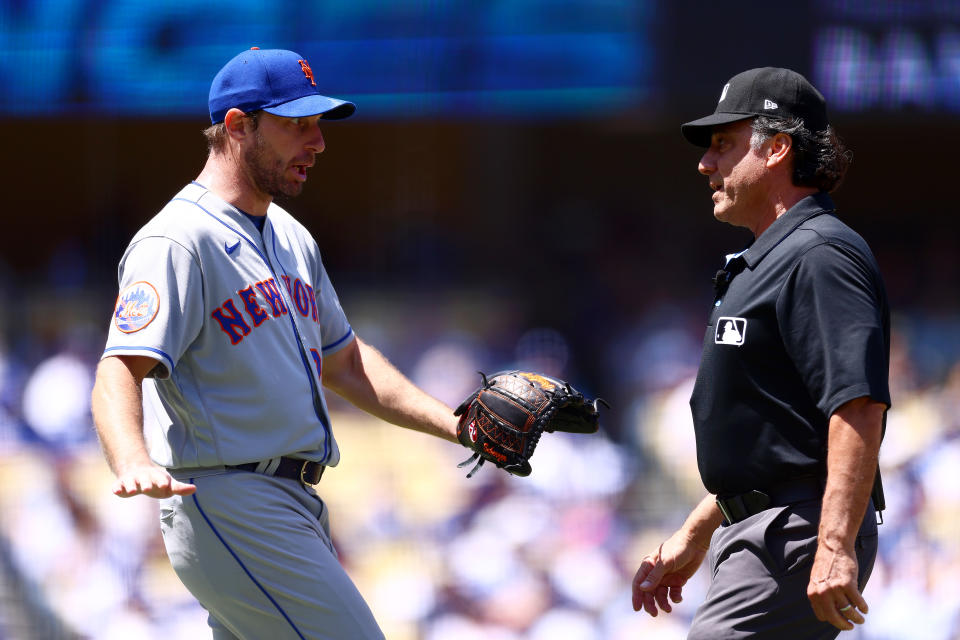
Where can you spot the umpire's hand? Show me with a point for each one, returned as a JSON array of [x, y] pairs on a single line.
[[663, 573], [833, 590]]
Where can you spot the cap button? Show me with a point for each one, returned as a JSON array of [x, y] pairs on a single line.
[[254, 48]]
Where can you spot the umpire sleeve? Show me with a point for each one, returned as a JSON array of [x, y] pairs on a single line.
[[834, 319]]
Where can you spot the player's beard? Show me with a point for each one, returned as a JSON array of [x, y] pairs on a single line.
[[267, 171]]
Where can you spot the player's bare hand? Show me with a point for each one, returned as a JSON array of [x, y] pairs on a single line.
[[662, 574], [150, 480], [833, 589]]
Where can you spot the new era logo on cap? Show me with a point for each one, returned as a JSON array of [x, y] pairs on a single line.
[[765, 91]]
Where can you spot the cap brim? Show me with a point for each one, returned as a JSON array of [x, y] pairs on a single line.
[[314, 105], [698, 132]]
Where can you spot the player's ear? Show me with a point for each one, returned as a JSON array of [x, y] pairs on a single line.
[[235, 122]]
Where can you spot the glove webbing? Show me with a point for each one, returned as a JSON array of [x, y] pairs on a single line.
[[476, 454]]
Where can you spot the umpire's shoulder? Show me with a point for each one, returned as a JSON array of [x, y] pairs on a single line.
[[831, 242], [830, 229]]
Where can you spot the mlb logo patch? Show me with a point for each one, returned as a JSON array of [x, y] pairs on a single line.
[[731, 331]]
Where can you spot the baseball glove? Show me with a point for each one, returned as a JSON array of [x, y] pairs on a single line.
[[503, 420]]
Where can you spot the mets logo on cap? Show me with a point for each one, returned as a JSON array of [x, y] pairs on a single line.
[[137, 306]]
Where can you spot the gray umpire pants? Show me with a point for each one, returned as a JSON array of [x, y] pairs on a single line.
[[760, 569]]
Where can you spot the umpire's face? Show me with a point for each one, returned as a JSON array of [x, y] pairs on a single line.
[[736, 173]]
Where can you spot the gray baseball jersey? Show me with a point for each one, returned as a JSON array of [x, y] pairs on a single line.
[[238, 322]]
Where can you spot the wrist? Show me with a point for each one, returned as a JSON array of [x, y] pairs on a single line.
[[698, 534], [131, 463], [698, 540], [835, 542]]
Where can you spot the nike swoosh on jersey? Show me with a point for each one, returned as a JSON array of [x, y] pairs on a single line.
[[230, 248]]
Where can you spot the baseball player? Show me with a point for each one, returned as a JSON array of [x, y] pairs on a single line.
[[210, 393], [791, 395]]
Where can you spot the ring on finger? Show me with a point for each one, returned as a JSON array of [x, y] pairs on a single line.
[[842, 609]]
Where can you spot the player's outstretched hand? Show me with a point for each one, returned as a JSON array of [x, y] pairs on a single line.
[[150, 480], [663, 573], [833, 591]]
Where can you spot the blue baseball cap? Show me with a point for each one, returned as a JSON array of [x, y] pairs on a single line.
[[274, 80]]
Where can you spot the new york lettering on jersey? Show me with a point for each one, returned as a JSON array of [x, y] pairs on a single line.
[[262, 301]]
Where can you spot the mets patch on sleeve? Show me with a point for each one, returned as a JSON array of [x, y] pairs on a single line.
[[137, 306]]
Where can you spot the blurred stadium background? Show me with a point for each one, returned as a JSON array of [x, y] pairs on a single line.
[[513, 191]]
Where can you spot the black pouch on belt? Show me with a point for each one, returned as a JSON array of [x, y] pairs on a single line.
[[741, 506]]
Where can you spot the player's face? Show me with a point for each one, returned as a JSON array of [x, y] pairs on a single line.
[[735, 171], [281, 151]]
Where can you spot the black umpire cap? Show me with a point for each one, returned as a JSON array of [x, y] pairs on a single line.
[[766, 91]]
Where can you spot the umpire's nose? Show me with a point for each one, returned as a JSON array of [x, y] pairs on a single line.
[[707, 163]]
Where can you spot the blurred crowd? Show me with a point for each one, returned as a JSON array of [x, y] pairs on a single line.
[[438, 556]]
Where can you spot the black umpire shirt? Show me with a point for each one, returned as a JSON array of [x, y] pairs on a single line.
[[800, 326]]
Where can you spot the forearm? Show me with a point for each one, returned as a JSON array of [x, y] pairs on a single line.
[[118, 415], [852, 451], [369, 381], [702, 522], [666, 570]]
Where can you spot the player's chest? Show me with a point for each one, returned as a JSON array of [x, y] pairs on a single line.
[[253, 287]]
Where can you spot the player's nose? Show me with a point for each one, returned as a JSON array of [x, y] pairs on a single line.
[[314, 142]]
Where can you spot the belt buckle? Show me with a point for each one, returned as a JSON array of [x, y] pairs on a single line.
[[303, 472]]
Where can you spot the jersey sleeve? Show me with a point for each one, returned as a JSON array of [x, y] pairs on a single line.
[[834, 322], [333, 321], [159, 310]]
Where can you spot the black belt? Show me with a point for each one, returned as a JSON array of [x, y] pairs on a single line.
[[742, 506], [305, 471]]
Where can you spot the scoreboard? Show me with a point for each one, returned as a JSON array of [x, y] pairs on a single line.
[[464, 59]]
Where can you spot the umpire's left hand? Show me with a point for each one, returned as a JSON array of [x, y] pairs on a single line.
[[833, 590]]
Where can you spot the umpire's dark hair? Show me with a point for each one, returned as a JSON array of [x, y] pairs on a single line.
[[820, 159], [216, 134]]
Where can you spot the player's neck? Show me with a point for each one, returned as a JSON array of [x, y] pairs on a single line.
[[232, 185]]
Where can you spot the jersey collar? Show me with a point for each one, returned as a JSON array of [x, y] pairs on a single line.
[[811, 206]]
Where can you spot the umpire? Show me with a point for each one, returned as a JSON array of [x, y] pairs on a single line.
[[791, 396]]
